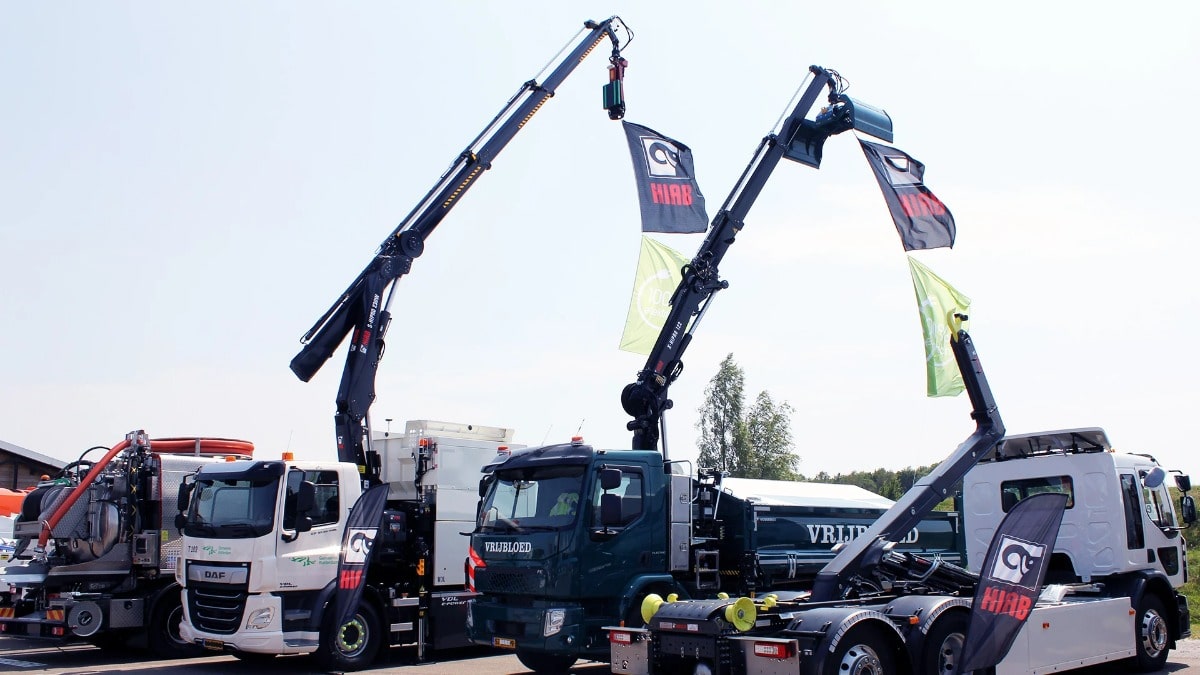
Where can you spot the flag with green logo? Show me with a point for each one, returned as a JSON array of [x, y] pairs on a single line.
[[938, 301], [658, 274]]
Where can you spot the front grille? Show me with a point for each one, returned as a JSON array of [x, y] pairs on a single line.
[[216, 609], [488, 580]]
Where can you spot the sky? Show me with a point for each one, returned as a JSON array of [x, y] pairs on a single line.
[[186, 187]]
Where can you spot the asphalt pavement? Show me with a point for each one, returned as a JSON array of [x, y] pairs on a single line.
[[18, 655]]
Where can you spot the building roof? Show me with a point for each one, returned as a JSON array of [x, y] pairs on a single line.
[[26, 453]]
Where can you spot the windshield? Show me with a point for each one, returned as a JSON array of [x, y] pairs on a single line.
[[531, 499], [233, 508]]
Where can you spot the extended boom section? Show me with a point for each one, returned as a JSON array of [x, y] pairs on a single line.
[[362, 309]]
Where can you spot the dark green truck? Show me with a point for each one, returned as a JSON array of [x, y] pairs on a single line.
[[570, 539]]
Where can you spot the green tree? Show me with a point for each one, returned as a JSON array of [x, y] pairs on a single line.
[[754, 443], [720, 423], [769, 432]]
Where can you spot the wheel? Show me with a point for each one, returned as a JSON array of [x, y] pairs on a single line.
[[1152, 634], [163, 631], [546, 664], [862, 651], [944, 644], [354, 644]]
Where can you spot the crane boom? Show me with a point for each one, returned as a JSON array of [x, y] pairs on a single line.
[[800, 140], [361, 309]]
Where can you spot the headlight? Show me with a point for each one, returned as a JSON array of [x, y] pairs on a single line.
[[261, 618], [554, 621]]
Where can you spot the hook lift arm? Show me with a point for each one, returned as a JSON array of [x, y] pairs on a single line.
[[361, 309], [800, 140]]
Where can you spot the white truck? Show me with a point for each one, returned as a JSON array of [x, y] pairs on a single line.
[[262, 539], [94, 557], [1111, 581]]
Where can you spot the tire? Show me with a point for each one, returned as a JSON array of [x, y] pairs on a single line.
[[546, 664], [862, 651], [354, 644], [163, 634], [1152, 634], [942, 652]]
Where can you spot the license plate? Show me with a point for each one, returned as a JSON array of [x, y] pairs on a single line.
[[215, 645], [504, 643]]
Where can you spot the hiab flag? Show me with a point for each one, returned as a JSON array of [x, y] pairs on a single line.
[[358, 541], [937, 301], [1011, 578], [668, 193], [922, 220], [658, 274]]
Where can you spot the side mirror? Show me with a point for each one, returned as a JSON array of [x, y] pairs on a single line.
[[180, 521], [1183, 482], [1187, 507], [1154, 477], [610, 509], [306, 498], [610, 479], [184, 497]]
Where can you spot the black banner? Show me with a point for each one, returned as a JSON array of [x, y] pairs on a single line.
[[922, 220], [1011, 578], [668, 193], [357, 544]]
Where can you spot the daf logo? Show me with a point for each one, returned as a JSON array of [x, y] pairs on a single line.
[[214, 576]]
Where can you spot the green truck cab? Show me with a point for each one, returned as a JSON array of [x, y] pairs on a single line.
[[570, 539]]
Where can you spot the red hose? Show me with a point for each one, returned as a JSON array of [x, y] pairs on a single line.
[[203, 446]]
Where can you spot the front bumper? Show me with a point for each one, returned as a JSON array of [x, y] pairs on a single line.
[[499, 624], [269, 638]]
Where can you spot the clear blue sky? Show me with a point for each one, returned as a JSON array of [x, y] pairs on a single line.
[[185, 187]]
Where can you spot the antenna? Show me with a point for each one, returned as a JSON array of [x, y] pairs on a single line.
[[579, 431], [547, 434]]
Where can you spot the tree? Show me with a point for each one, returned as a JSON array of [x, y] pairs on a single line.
[[720, 423], [747, 444]]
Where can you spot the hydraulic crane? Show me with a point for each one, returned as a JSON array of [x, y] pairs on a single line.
[[800, 140], [362, 309]]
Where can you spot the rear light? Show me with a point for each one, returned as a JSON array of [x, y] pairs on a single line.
[[620, 637], [774, 650]]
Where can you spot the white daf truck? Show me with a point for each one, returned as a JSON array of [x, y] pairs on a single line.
[[261, 541]]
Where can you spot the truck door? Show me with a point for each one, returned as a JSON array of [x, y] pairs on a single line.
[[1158, 523], [307, 552], [636, 545]]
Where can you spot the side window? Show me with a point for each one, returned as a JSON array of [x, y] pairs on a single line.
[[1134, 535], [328, 507], [1013, 491], [630, 491], [1158, 506]]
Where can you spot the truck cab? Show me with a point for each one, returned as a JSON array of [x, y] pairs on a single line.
[[251, 557], [570, 539]]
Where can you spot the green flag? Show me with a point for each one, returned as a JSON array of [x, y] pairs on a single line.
[[938, 301], [658, 274]]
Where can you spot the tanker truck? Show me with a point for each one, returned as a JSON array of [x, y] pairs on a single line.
[[94, 559]]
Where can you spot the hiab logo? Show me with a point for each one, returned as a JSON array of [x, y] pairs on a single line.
[[1019, 562], [358, 546], [662, 158]]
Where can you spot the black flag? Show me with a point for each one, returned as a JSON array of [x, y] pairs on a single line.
[[669, 196], [357, 543], [922, 220], [1011, 578]]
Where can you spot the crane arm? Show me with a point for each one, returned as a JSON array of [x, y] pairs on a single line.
[[362, 310]]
